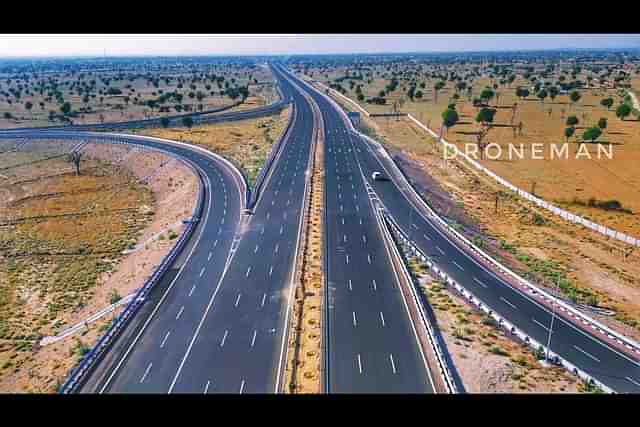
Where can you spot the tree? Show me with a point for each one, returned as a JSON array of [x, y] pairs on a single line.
[[486, 95], [164, 122], [572, 121], [485, 116], [187, 121], [574, 97], [592, 134], [449, 119], [568, 132], [542, 94], [607, 102], [66, 108], [623, 111], [439, 85], [75, 157], [602, 123], [28, 105], [522, 92], [553, 92]]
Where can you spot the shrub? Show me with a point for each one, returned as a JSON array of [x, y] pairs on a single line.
[[498, 351], [538, 219], [114, 297]]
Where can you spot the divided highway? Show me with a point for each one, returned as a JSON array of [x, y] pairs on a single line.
[[579, 345], [371, 346], [222, 325], [239, 343], [217, 320]]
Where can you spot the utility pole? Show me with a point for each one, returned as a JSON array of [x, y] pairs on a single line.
[[496, 207], [553, 316]]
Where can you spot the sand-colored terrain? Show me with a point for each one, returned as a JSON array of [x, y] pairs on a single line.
[[568, 183], [58, 270], [246, 143]]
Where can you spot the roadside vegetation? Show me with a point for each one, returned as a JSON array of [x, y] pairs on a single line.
[[74, 239], [70, 91], [59, 232], [487, 359], [518, 100], [590, 271], [246, 143]]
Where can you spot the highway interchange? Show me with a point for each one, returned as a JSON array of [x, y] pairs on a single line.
[[218, 322]]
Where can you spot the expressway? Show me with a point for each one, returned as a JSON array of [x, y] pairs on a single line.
[[178, 298], [239, 344], [202, 117], [371, 345], [221, 325], [617, 369], [167, 345]]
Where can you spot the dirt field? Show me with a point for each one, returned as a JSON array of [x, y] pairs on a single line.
[[57, 270], [568, 183], [486, 359], [591, 269], [246, 143], [112, 96]]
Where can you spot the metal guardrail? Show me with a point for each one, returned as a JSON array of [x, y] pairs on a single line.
[[585, 320], [443, 366], [568, 216], [201, 117], [88, 362], [125, 124], [502, 322], [277, 148], [533, 290]]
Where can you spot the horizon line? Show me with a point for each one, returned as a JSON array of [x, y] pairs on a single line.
[[235, 55]]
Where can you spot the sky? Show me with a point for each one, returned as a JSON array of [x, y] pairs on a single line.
[[26, 45]]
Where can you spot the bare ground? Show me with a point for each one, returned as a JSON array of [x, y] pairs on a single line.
[[174, 192]]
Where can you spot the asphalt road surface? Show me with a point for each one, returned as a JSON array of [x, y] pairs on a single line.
[[220, 325], [372, 347], [576, 344]]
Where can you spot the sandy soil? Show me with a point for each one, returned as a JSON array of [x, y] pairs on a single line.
[[246, 143], [113, 108], [306, 327], [560, 181], [174, 191], [596, 268], [486, 359]]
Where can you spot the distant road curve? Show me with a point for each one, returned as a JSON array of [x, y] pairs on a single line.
[[201, 117]]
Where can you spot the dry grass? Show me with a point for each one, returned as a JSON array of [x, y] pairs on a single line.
[[567, 183], [534, 242], [113, 108], [247, 143], [487, 360], [306, 324], [50, 264]]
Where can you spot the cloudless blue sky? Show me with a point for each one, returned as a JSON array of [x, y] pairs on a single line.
[[254, 44]]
